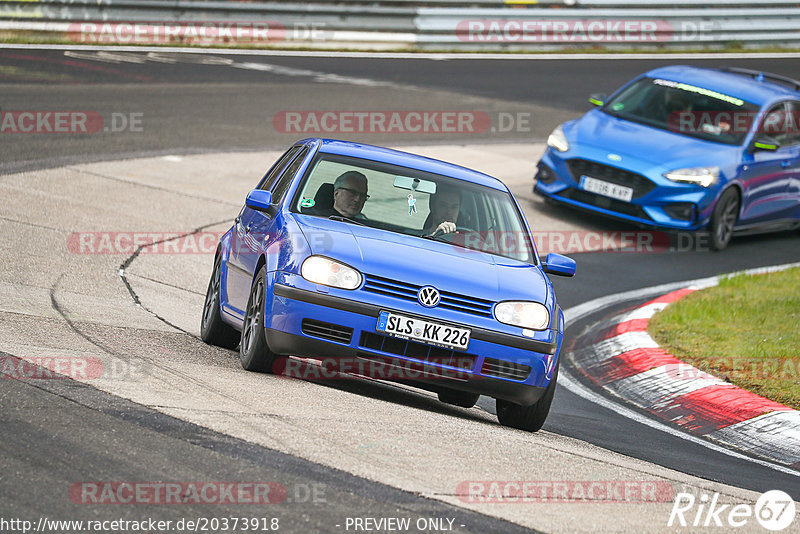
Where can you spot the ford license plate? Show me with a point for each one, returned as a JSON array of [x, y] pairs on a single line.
[[439, 335], [607, 189]]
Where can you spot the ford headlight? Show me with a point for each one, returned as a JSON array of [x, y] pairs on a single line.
[[703, 176], [325, 271], [558, 140], [530, 315]]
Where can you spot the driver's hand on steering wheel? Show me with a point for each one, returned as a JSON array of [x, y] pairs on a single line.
[[446, 227]]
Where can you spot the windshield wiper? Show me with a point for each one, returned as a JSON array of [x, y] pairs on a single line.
[[346, 219]]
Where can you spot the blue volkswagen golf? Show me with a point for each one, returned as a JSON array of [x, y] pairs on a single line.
[[404, 267], [684, 148]]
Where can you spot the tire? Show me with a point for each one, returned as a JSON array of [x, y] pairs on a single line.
[[528, 418], [254, 353], [212, 329], [726, 212], [459, 398]]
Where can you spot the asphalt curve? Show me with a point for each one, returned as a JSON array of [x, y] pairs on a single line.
[[217, 103]]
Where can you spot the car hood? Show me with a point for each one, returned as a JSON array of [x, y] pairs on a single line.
[[602, 134], [424, 262]]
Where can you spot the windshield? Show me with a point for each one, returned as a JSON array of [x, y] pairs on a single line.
[[685, 109], [413, 202]]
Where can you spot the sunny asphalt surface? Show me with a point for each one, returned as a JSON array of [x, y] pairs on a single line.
[[190, 107]]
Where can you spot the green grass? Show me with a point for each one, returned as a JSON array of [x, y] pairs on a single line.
[[746, 331]]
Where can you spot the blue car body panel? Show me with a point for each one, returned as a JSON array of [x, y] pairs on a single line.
[[768, 182], [471, 283]]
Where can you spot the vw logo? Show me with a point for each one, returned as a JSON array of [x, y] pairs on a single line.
[[428, 296]]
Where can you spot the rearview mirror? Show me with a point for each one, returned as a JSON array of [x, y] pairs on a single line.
[[559, 265], [260, 200]]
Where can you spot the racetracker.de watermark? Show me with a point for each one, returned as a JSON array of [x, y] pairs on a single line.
[[156, 32], [736, 369], [494, 242], [169, 493], [447, 368], [564, 491], [586, 31], [69, 122], [73, 368], [382, 121]]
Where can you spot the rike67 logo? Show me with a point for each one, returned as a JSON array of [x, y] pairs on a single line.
[[774, 510]]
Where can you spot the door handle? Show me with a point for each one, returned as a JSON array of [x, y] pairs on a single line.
[[786, 164], [247, 229]]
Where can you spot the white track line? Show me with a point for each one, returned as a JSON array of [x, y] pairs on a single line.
[[582, 310]]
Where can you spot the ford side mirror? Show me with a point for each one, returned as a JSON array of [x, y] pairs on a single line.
[[559, 265], [765, 142], [597, 99]]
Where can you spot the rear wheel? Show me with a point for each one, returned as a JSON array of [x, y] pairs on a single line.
[[254, 353], [529, 418], [724, 219], [212, 329], [459, 398]]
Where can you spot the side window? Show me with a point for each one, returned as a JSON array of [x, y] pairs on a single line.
[[775, 123], [793, 123], [285, 180], [269, 179]]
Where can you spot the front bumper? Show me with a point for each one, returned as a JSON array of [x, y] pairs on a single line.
[[667, 206], [312, 324]]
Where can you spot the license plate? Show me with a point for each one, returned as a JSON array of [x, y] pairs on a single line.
[[439, 335], [607, 189]]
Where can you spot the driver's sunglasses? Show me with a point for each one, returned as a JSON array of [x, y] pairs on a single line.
[[357, 194]]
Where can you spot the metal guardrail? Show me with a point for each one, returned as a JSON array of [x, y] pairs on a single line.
[[444, 24]]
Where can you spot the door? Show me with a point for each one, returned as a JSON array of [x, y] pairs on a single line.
[[767, 175], [239, 267]]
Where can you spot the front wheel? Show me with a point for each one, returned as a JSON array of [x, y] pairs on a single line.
[[212, 329], [254, 353], [529, 418], [724, 219]]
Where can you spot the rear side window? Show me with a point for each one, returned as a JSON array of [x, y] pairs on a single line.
[[781, 123], [269, 179], [285, 180]]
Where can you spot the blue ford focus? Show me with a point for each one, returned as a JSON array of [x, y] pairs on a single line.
[[684, 148], [423, 270]]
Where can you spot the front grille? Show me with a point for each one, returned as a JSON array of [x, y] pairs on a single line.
[[331, 332], [582, 167], [408, 292], [604, 202], [504, 369], [416, 351]]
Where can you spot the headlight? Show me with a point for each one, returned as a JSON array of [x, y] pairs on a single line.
[[558, 140], [524, 314], [704, 176], [325, 271]]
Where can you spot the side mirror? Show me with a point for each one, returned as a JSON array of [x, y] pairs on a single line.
[[765, 142], [597, 99], [260, 200], [559, 265]]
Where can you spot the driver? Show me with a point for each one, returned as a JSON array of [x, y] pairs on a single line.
[[444, 207]]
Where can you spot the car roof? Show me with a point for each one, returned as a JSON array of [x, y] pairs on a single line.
[[739, 85], [405, 159]]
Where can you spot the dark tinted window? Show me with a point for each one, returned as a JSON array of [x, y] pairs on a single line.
[[685, 109], [285, 180], [780, 123], [268, 180]]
